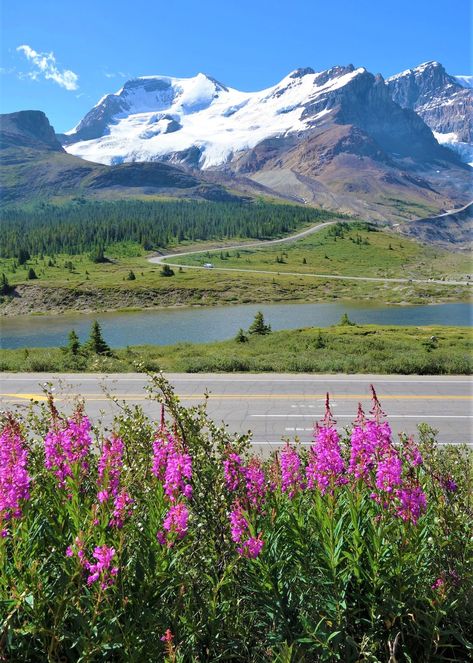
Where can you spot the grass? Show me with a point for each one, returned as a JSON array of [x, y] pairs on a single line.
[[343, 349], [349, 250]]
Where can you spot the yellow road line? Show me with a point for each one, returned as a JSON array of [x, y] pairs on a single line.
[[249, 397]]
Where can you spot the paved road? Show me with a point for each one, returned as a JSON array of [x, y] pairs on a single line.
[[292, 238], [273, 406]]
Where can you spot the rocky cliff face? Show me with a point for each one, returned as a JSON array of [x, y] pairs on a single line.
[[28, 129], [444, 104]]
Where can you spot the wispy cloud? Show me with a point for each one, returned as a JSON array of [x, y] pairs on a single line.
[[116, 74], [46, 67]]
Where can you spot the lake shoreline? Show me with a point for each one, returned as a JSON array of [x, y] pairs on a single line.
[[340, 348]]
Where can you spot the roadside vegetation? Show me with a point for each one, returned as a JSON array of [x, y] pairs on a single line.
[[343, 348], [170, 541]]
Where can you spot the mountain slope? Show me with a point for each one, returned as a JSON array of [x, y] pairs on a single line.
[[35, 166], [444, 102], [334, 138]]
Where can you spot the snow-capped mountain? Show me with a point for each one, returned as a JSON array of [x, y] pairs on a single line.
[[198, 119], [444, 102], [334, 138]]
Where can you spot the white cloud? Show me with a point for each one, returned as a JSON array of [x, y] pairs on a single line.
[[45, 64]]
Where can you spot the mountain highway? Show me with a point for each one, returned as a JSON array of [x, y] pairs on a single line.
[[272, 406]]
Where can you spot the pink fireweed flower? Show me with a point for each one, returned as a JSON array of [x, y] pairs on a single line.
[[255, 482], [68, 446], [364, 444], [102, 568], [389, 472], [325, 467], [110, 467], [162, 445], [251, 548], [121, 509], [177, 474], [14, 478], [176, 521], [232, 466], [413, 503], [438, 584], [238, 523], [411, 453], [291, 476]]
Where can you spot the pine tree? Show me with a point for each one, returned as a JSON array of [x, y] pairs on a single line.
[[131, 276], [241, 337], [96, 342], [258, 326], [74, 344], [345, 320], [31, 274], [5, 287], [166, 271]]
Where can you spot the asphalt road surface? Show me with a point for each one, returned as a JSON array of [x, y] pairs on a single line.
[[272, 406]]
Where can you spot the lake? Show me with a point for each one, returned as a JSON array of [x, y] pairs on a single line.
[[201, 324]]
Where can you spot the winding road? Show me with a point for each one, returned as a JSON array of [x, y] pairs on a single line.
[[292, 238]]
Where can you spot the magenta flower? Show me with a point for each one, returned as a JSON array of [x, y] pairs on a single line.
[[238, 523], [291, 476], [413, 503], [110, 467], [178, 472], [365, 440], [68, 447], [14, 478], [162, 445], [101, 568], [121, 509], [255, 482], [325, 467], [176, 521], [389, 472], [232, 466], [251, 548]]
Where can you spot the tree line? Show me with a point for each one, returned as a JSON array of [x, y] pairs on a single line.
[[81, 226]]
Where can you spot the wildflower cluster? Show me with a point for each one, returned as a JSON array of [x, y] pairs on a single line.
[[250, 482], [67, 446], [109, 472], [326, 468], [172, 466], [100, 569], [14, 478]]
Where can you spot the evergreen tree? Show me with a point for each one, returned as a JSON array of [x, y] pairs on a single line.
[[131, 276], [345, 320], [23, 256], [241, 337], [96, 342], [258, 326], [31, 274], [73, 346], [5, 287], [166, 271]]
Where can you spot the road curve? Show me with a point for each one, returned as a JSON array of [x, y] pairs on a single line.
[[292, 238]]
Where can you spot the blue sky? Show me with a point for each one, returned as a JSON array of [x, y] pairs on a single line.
[[74, 52]]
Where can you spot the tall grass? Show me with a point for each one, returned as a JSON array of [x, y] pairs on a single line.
[[170, 541]]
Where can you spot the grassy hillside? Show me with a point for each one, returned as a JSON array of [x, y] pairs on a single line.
[[356, 249], [337, 349]]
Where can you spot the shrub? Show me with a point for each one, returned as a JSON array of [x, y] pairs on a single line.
[[166, 271]]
